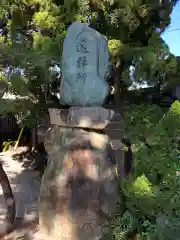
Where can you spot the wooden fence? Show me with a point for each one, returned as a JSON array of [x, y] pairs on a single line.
[[8, 124]]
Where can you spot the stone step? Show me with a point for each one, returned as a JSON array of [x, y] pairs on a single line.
[[117, 144], [117, 118], [115, 125], [115, 133]]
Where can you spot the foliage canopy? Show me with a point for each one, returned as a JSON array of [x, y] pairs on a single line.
[[32, 33]]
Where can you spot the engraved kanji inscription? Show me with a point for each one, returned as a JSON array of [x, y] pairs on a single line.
[[81, 62], [81, 45], [81, 77]]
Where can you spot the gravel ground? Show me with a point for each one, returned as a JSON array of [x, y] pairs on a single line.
[[25, 184]]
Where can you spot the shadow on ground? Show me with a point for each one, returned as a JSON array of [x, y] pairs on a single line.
[[21, 230], [36, 160], [24, 175]]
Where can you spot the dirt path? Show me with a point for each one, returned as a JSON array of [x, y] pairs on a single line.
[[25, 184]]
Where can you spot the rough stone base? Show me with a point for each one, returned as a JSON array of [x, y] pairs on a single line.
[[79, 188]]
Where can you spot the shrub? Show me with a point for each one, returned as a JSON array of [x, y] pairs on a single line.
[[151, 206]]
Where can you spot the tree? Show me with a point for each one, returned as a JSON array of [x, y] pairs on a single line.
[[157, 67], [33, 32], [29, 47], [9, 199]]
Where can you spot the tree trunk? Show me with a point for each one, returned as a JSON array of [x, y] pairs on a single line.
[[8, 196], [119, 95], [117, 86], [34, 138]]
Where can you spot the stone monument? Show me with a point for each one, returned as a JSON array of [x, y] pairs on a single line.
[[79, 188]]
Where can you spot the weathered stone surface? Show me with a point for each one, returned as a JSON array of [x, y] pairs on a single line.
[[87, 117], [79, 188]]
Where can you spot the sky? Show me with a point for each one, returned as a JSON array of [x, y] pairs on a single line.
[[172, 34]]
